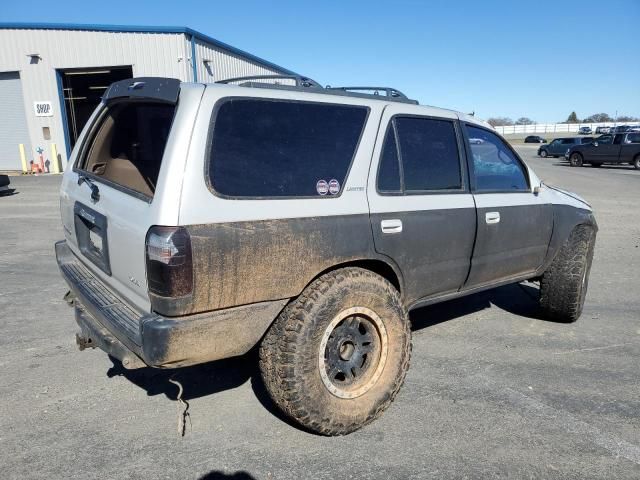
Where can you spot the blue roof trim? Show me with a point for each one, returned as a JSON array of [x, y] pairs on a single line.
[[144, 29]]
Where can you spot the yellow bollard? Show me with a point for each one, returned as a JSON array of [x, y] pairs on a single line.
[[54, 158], [23, 158]]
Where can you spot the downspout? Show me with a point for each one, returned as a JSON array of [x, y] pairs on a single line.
[[193, 58]]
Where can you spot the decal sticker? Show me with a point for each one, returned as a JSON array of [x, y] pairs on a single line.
[[322, 187], [334, 186]]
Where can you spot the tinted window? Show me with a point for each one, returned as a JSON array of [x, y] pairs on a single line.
[[265, 148], [633, 138], [128, 145], [389, 171], [429, 154], [494, 164], [605, 139]]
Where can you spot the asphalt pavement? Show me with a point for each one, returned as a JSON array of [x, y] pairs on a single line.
[[493, 390]]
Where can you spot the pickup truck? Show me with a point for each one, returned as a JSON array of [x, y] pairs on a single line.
[[616, 148]]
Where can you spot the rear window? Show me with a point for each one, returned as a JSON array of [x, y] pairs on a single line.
[[273, 148], [128, 145]]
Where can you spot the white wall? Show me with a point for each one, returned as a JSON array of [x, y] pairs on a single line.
[[555, 127]]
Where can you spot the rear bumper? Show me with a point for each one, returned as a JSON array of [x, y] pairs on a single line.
[[137, 338]]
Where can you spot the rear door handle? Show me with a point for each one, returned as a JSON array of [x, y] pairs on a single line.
[[391, 226], [492, 217]]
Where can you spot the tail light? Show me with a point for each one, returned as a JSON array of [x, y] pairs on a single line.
[[169, 264]]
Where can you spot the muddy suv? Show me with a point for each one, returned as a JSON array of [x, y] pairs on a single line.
[[203, 220]]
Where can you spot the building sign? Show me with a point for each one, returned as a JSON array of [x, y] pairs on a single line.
[[43, 109]]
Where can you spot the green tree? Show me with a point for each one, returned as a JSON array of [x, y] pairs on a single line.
[[572, 118], [598, 118], [499, 121]]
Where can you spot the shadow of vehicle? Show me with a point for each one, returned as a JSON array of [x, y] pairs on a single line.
[[8, 192], [209, 378], [519, 299], [218, 475]]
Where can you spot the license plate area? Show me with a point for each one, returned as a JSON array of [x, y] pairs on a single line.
[[91, 234]]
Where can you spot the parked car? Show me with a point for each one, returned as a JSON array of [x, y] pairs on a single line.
[[560, 146], [622, 129], [617, 148], [603, 130], [584, 131], [4, 184], [534, 139], [202, 220], [476, 141]]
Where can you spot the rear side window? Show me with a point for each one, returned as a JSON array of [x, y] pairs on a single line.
[[495, 167], [419, 154], [633, 138], [128, 145], [272, 148]]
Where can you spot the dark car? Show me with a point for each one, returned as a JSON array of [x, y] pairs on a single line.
[[617, 148], [584, 131], [4, 184], [534, 139], [560, 146]]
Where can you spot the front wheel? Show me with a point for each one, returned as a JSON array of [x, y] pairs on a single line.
[[336, 357], [543, 153], [563, 286], [575, 160]]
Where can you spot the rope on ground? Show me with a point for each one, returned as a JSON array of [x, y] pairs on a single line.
[[183, 410]]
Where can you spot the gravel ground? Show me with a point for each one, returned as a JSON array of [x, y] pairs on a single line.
[[493, 391]]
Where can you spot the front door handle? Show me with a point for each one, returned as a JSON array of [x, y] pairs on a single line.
[[391, 226], [492, 217]]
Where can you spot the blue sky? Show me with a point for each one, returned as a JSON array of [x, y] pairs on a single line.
[[540, 59]]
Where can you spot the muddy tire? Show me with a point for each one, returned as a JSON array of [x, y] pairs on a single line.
[[575, 160], [336, 357], [564, 284]]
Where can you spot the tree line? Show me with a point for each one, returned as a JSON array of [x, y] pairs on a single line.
[[572, 118]]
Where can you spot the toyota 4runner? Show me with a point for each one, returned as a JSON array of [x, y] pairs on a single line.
[[203, 220]]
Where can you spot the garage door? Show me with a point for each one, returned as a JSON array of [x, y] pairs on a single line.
[[13, 123]]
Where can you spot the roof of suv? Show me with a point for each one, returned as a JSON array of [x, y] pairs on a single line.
[[309, 93]]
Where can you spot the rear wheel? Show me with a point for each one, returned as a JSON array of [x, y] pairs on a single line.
[[563, 286], [336, 357], [575, 160], [636, 162]]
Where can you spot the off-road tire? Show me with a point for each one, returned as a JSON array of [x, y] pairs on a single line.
[[575, 160], [289, 353], [563, 286], [636, 162], [543, 153]]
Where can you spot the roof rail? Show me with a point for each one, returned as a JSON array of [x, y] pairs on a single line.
[[301, 81], [389, 92]]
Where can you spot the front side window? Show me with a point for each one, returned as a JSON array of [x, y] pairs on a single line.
[[568, 141], [495, 167], [277, 148], [420, 154]]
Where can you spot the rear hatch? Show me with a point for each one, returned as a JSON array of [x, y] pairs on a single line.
[[110, 198]]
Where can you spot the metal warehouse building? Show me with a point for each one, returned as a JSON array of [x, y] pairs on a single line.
[[53, 75]]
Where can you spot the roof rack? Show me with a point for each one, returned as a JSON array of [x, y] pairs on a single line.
[[303, 83]]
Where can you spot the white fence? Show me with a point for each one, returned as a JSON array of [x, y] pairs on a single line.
[[554, 127]]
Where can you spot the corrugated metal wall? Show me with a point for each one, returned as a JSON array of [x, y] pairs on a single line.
[[149, 54], [223, 64]]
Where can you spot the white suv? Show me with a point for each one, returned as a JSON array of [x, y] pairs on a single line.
[[202, 220]]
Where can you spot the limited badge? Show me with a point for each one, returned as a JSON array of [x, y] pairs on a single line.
[[334, 186], [322, 187]]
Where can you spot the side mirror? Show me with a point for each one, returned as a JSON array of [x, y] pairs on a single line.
[[537, 189]]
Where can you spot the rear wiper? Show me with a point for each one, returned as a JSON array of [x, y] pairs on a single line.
[[95, 192]]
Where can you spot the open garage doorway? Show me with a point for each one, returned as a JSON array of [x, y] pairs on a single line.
[[82, 89]]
